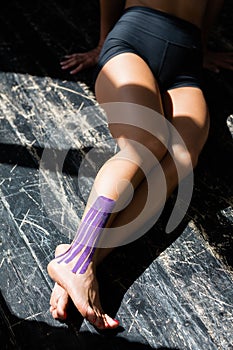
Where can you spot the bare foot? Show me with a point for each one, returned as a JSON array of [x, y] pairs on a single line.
[[82, 289]]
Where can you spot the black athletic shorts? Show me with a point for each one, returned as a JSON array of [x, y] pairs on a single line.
[[169, 45]]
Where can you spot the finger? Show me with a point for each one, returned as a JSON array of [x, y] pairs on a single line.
[[226, 66], [226, 54], [220, 60], [81, 56], [63, 63], [70, 62], [227, 59], [73, 55], [77, 69], [76, 56], [70, 65], [211, 67]]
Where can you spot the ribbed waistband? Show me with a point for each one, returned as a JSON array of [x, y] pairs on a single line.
[[182, 23]]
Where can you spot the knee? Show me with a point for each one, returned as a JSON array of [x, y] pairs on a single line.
[[148, 147], [157, 141], [158, 147]]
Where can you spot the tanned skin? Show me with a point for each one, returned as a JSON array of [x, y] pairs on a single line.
[[186, 101]]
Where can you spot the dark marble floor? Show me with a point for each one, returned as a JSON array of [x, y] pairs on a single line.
[[176, 292]]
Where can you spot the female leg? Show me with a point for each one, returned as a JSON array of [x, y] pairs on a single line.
[[127, 78], [189, 115], [124, 78]]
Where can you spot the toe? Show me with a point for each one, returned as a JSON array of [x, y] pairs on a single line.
[[52, 308], [111, 322], [53, 298], [54, 314], [95, 318], [62, 306], [58, 302], [57, 292]]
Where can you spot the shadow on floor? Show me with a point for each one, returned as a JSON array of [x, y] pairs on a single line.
[[16, 333]]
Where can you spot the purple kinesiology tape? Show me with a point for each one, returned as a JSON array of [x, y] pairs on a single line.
[[88, 235]]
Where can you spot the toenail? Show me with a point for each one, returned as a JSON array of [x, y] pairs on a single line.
[[116, 321]]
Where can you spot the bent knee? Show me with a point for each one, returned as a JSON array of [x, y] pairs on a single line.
[[140, 140], [158, 147], [147, 149]]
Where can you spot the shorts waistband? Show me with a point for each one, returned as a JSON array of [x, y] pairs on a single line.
[[171, 18]]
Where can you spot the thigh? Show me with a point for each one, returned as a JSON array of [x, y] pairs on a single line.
[[127, 78]]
